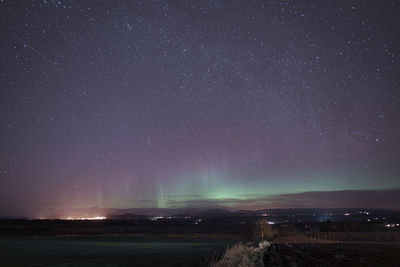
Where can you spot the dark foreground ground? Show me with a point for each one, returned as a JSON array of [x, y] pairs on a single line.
[[332, 254], [150, 251], [108, 251]]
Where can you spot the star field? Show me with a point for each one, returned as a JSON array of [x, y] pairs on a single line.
[[172, 103]]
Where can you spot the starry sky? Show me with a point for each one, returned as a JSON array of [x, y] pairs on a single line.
[[237, 104]]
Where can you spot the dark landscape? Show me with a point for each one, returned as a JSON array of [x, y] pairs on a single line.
[[304, 237], [332, 254]]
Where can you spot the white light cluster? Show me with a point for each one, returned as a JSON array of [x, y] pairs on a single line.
[[87, 218]]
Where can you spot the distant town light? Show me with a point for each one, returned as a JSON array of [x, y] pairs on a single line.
[[87, 218], [155, 218]]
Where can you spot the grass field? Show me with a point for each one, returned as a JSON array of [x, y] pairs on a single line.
[[107, 251], [332, 254]]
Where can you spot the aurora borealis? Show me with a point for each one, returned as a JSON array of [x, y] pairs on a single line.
[[237, 104]]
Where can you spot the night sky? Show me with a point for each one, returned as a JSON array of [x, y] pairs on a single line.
[[237, 104]]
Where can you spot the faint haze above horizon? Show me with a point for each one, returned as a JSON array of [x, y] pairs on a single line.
[[346, 199], [174, 104]]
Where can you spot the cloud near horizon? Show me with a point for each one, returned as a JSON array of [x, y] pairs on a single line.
[[389, 199]]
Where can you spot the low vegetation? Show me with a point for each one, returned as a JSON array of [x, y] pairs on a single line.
[[239, 255], [339, 237]]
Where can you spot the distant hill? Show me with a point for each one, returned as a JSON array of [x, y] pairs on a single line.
[[137, 213]]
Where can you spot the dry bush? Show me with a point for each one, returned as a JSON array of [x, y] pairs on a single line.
[[239, 256]]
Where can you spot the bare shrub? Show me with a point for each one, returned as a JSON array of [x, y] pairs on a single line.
[[239, 256], [264, 230]]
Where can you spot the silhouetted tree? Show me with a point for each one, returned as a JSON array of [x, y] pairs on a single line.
[[264, 230]]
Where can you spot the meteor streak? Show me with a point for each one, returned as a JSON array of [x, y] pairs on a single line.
[[39, 54]]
